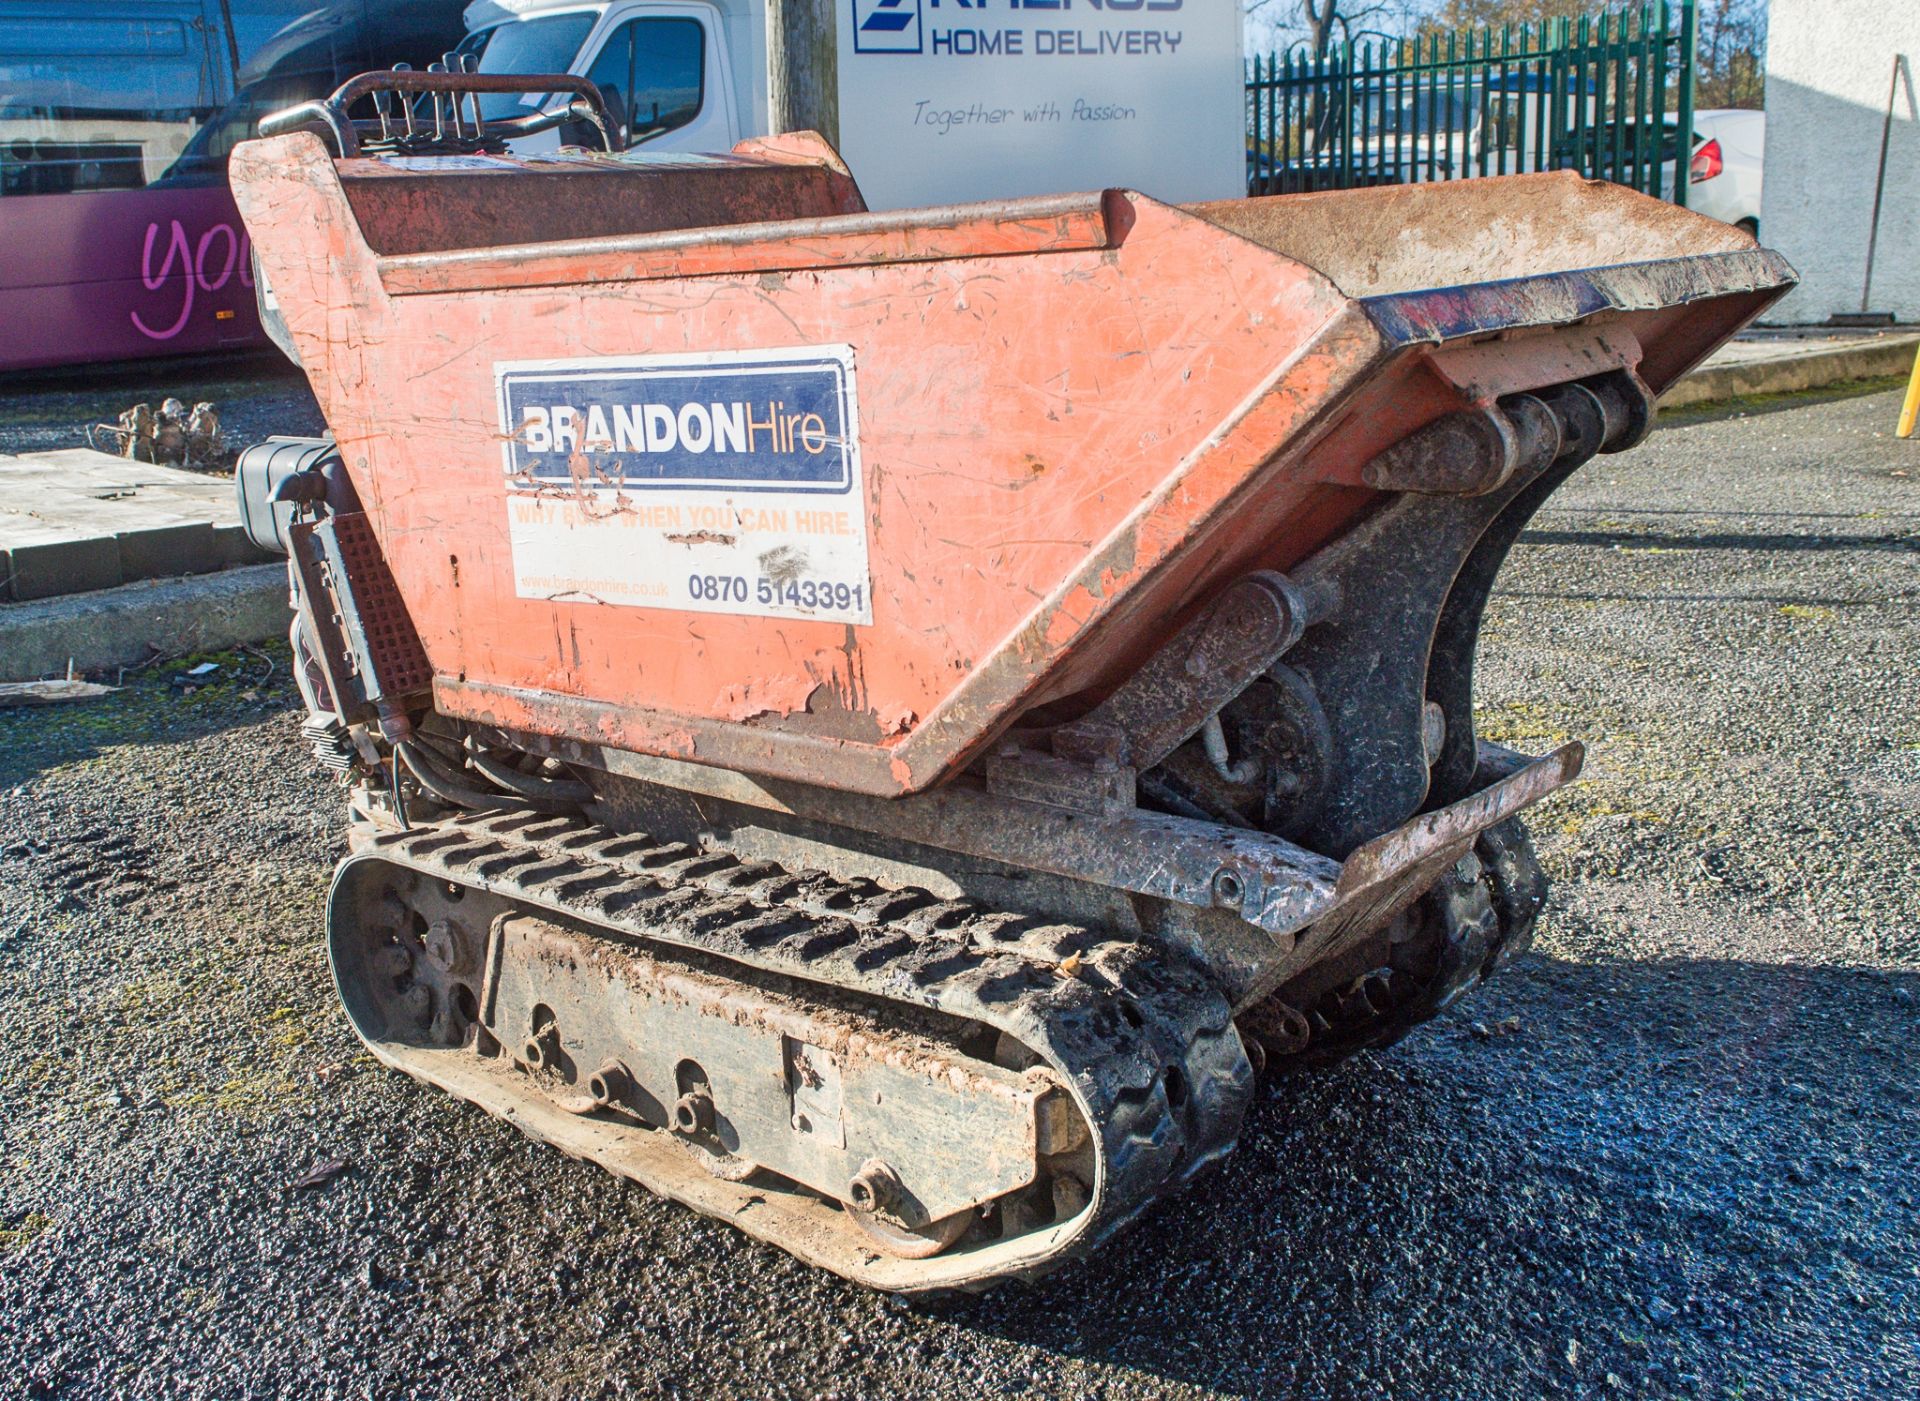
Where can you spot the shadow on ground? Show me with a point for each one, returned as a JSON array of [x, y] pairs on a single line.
[[1685, 1175]]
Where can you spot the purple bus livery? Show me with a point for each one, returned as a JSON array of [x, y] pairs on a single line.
[[118, 236]]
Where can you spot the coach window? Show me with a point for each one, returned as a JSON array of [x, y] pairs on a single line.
[[653, 75], [93, 103]]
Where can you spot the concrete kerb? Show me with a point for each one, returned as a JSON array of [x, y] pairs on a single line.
[[1878, 358], [127, 625]]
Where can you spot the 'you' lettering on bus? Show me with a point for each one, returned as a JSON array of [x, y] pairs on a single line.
[[205, 266]]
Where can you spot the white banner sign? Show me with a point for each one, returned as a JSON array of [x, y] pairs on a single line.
[[945, 101], [726, 482]]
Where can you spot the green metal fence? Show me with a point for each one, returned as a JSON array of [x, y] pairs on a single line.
[[1607, 95]]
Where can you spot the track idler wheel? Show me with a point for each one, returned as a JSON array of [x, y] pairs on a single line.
[[1473, 922], [1518, 887]]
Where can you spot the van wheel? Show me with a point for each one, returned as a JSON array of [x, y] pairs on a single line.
[[1750, 227]]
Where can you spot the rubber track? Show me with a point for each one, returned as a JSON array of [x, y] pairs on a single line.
[[1147, 1041]]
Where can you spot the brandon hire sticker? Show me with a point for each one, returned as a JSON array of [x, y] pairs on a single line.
[[718, 483]]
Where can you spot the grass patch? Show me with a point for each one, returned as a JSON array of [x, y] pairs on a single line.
[[1744, 404], [156, 703], [1519, 722], [1572, 826], [24, 1232]]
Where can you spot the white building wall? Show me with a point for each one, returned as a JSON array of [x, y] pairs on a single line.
[[1829, 64]]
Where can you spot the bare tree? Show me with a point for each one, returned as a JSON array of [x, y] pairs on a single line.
[[1323, 25], [1321, 20], [1475, 14], [1731, 55]]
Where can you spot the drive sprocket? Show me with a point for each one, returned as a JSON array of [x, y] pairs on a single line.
[[1471, 923]]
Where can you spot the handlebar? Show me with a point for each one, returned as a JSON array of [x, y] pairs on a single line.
[[332, 118]]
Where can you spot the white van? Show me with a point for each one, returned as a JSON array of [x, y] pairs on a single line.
[[675, 73], [1078, 99]]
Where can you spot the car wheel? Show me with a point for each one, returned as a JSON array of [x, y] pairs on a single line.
[[1748, 226]]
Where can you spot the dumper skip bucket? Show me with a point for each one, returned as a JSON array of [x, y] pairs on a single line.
[[1016, 444]]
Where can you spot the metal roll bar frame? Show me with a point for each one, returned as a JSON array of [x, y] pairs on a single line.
[[331, 117]]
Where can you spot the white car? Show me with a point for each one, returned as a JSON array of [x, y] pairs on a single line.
[[1729, 146], [1493, 131]]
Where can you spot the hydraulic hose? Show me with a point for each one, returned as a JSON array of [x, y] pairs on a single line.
[[560, 790], [444, 784]]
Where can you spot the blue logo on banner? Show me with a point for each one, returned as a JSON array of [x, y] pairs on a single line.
[[779, 424], [886, 26]]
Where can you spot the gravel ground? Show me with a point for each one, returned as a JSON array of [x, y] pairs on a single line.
[[1674, 1151], [256, 396]]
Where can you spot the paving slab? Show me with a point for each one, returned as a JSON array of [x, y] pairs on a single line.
[[74, 520]]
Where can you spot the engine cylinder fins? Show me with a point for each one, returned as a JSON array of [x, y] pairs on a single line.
[[915, 1110]]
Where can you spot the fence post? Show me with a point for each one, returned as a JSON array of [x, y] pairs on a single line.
[[1642, 118], [1615, 63], [1346, 113], [1252, 98], [1683, 138], [1657, 107]]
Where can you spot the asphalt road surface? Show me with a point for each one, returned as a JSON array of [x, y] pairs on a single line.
[[1675, 1151]]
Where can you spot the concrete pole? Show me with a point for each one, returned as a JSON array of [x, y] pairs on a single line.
[[803, 73]]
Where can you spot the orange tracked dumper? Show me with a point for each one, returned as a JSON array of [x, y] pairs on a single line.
[[879, 726]]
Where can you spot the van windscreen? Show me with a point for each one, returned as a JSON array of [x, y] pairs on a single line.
[[547, 44]]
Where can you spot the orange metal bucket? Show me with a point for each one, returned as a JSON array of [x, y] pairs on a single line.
[[1034, 436]]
